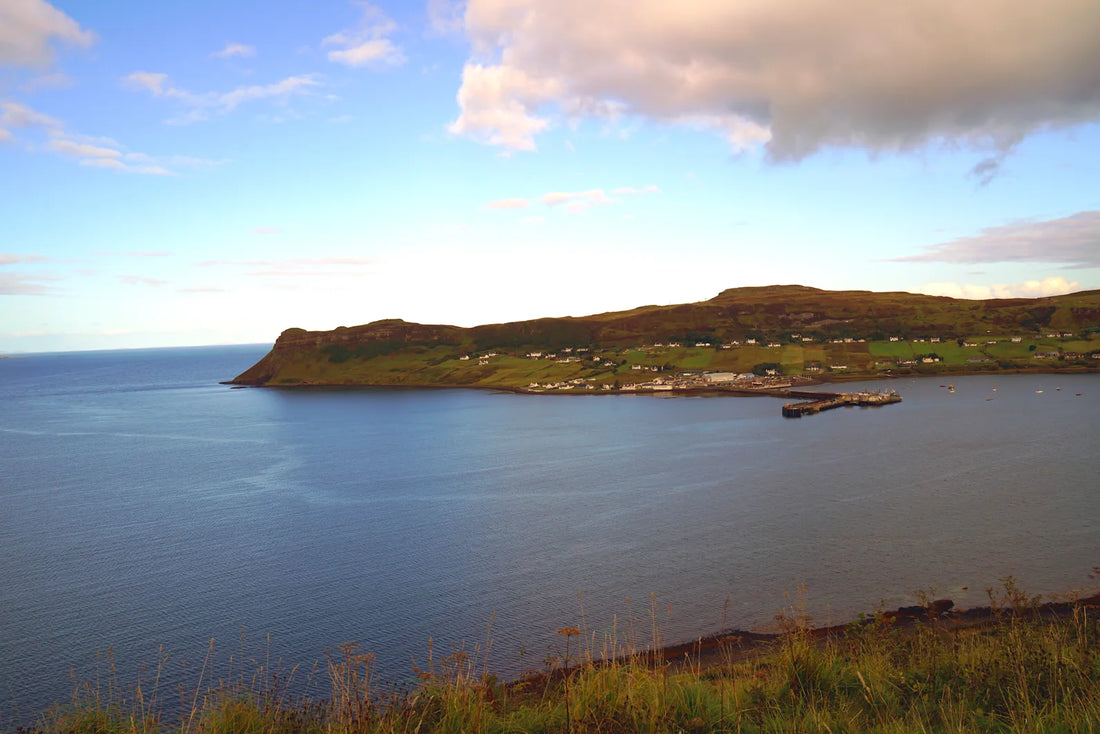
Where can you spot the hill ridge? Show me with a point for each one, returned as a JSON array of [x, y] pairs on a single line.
[[810, 327]]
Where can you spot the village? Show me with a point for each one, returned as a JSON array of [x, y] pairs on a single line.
[[668, 366]]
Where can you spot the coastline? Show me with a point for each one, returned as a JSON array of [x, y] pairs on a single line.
[[711, 652], [708, 391]]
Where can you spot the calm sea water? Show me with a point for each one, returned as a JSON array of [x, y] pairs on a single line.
[[146, 510]]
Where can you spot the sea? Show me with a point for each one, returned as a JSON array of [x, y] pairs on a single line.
[[157, 527]]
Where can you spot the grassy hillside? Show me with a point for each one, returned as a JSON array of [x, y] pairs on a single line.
[[1019, 667], [792, 330]]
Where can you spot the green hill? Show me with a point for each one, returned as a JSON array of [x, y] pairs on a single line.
[[782, 330]]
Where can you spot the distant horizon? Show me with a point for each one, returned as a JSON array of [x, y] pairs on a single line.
[[205, 173]]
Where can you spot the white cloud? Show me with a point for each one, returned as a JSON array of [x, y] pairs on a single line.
[[282, 89], [14, 114], [446, 16], [498, 106], [17, 284], [103, 163], [83, 150], [377, 49], [235, 50], [28, 29], [1073, 241], [87, 150], [98, 156], [149, 81], [367, 43], [794, 77], [508, 204], [6, 136], [23, 284], [141, 280], [575, 201], [159, 85], [1053, 286], [8, 258]]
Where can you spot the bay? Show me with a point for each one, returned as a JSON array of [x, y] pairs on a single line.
[[149, 515]]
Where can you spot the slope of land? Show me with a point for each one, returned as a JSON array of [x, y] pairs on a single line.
[[1016, 666], [776, 334]]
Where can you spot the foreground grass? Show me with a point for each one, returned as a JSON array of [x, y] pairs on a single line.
[[1023, 673]]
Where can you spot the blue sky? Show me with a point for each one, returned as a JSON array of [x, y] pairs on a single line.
[[212, 172]]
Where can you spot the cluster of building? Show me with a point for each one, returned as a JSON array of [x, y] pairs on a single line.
[[669, 379]]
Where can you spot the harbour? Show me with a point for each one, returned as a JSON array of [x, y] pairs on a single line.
[[816, 402]]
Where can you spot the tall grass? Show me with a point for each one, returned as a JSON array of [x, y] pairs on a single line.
[[1025, 672]]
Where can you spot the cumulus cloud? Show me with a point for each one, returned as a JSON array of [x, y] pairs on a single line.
[[794, 77], [235, 50], [1054, 286], [29, 28], [6, 136], [1073, 241], [201, 104], [367, 42]]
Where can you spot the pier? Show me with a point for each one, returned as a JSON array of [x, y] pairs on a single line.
[[815, 402]]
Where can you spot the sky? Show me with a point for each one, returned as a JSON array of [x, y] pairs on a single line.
[[209, 172]]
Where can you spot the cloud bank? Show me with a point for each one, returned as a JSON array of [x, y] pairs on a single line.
[[1055, 286], [1073, 241], [795, 77]]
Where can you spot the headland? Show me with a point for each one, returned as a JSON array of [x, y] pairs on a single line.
[[742, 341]]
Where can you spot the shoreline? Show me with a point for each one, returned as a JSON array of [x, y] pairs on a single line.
[[733, 646], [709, 391]]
